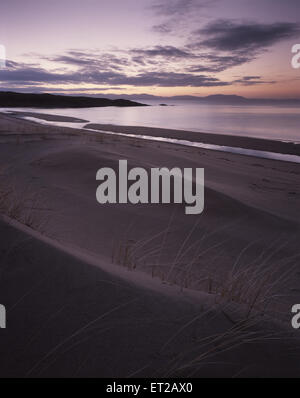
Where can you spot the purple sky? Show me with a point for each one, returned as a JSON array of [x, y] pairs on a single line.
[[159, 47]]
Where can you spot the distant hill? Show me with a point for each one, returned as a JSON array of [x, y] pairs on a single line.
[[218, 99], [14, 100], [239, 100]]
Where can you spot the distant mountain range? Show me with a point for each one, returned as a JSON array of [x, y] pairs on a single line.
[[22, 100], [218, 99], [36, 100]]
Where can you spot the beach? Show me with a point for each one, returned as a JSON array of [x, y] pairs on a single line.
[[145, 290]]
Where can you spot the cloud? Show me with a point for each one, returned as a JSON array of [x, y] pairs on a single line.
[[175, 7], [211, 63], [27, 76], [163, 51], [200, 61], [171, 79], [178, 14], [216, 47], [221, 44], [166, 27], [96, 59], [251, 77], [252, 81], [227, 35], [224, 44], [161, 66]]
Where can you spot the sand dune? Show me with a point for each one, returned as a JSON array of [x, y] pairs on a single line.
[[77, 309], [67, 317]]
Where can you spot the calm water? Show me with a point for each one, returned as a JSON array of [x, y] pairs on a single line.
[[280, 123]]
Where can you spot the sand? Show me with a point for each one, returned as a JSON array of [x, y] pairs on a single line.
[[47, 117], [206, 138], [63, 278]]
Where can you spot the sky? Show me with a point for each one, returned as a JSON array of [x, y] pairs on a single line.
[[157, 47]]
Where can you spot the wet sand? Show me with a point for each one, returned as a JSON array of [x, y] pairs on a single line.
[[206, 138]]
